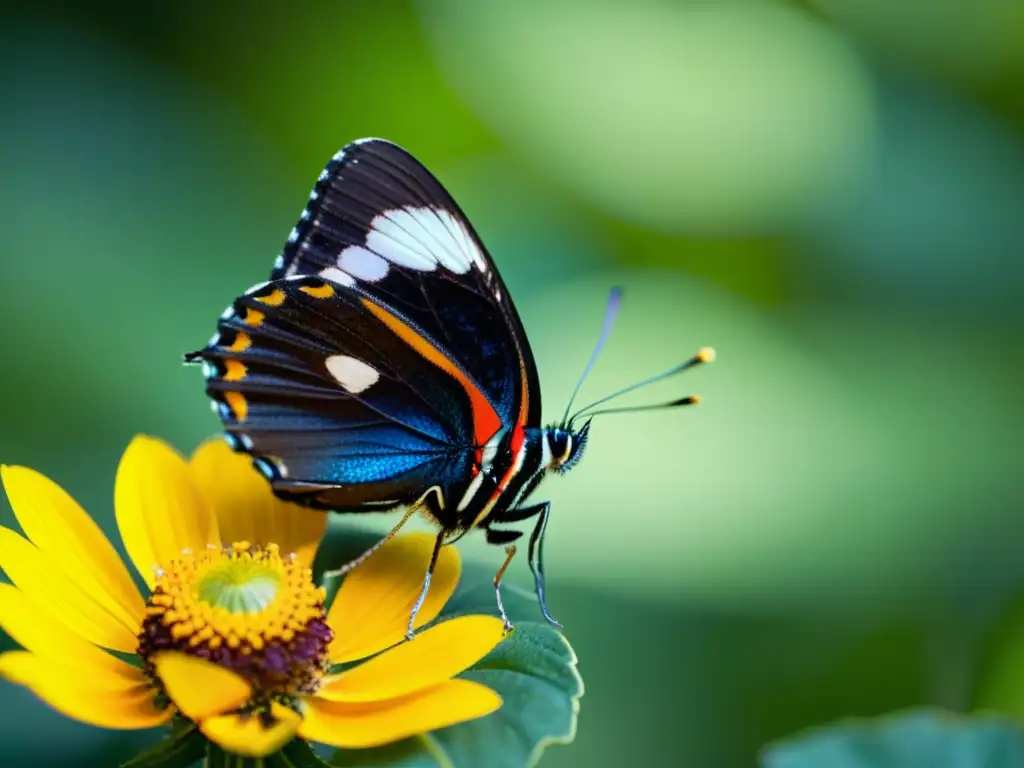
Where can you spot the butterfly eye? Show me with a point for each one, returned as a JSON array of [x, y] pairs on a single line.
[[561, 445], [572, 449]]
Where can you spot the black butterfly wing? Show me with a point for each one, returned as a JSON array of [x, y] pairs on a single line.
[[384, 352], [337, 410], [380, 221]]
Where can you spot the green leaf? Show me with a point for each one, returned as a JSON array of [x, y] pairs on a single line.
[[908, 740], [534, 670], [182, 748]]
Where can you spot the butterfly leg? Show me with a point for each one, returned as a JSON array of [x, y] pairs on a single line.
[[503, 537], [535, 556], [363, 557], [410, 632], [535, 553]]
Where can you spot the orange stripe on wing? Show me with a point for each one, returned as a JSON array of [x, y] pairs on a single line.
[[524, 401], [486, 421]]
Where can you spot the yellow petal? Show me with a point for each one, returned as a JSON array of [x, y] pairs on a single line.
[[71, 541], [61, 597], [200, 688], [343, 724], [247, 735], [159, 510], [35, 630], [247, 509], [372, 607], [436, 655], [93, 696]]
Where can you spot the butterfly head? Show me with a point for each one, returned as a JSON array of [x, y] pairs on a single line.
[[566, 446]]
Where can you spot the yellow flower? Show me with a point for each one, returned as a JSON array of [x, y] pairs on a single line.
[[234, 635]]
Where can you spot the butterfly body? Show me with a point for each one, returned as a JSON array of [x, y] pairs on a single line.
[[384, 364]]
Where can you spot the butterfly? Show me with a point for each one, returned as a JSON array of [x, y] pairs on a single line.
[[384, 366]]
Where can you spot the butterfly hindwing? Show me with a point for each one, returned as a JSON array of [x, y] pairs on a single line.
[[338, 410], [379, 221]]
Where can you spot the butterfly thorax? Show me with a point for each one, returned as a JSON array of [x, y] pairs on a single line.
[[509, 467]]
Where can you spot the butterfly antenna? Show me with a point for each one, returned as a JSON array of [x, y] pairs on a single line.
[[705, 355], [688, 400], [611, 312]]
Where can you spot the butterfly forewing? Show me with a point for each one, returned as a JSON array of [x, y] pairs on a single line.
[[379, 221]]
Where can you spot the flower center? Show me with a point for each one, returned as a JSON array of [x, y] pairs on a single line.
[[246, 608], [240, 586]]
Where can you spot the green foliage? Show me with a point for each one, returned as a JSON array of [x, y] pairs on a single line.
[[921, 739]]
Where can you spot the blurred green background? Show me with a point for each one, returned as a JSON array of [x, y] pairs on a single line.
[[829, 192]]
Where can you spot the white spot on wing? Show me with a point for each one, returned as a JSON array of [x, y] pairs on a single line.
[[423, 239], [279, 261], [363, 264], [400, 238], [467, 248], [335, 275], [208, 370], [353, 374], [293, 235]]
